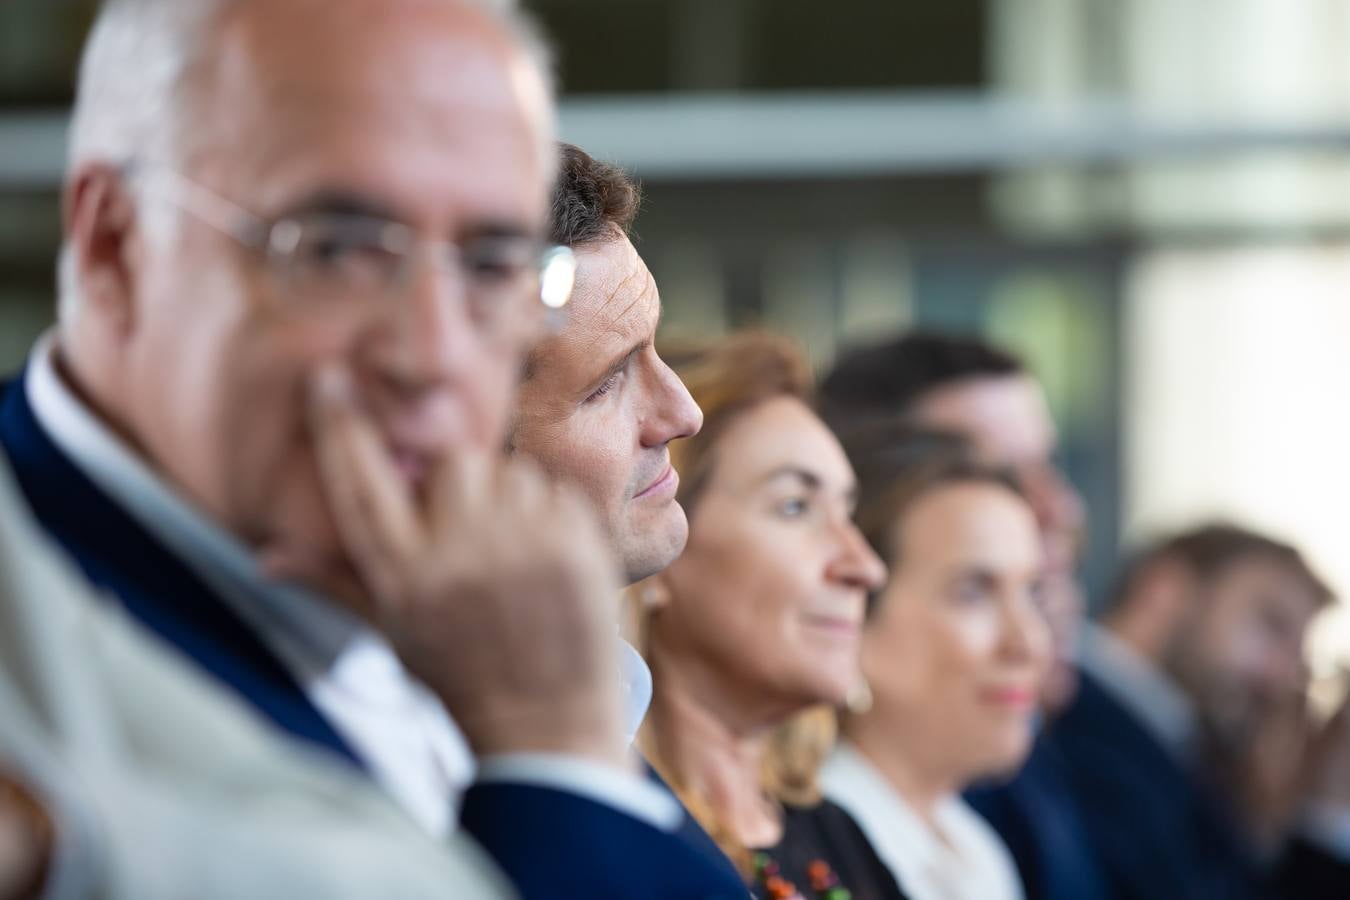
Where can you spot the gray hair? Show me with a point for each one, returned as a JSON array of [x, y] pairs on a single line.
[[137, 71], [132, 75]]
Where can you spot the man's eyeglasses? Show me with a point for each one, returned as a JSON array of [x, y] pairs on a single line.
[[330, 259]]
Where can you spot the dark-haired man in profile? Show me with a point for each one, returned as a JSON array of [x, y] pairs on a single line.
[[598, 406]]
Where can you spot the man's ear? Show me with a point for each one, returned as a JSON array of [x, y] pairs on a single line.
[[1164, 595], [1168, 588], [100, 225]]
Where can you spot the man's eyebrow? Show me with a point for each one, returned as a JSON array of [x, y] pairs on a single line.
[[619, 363], [339, 202], [495, 228], [354, 204]]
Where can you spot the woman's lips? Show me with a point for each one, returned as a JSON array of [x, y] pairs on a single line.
[[840, 626], [1019, 698]]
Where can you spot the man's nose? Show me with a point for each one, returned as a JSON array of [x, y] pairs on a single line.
[[672, 413], [430, 336], [1059, 509]]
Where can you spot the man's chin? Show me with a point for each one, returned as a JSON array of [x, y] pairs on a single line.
[[651, 549]]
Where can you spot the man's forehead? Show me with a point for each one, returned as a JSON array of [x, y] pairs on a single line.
[[1266, 575], [614, 307], [615, 298], [1005, 415], [354, 43], [294, 73]]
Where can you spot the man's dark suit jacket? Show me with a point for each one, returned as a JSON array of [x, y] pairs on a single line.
[[1159, 833], [551, 843], [1037, 815]]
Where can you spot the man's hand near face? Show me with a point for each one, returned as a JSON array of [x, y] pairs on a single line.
[[494, 587], [1270, 780], [25, 842], [1328, 763]]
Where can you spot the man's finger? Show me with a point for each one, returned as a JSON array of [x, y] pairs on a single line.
[[462, 486], [373, 509]]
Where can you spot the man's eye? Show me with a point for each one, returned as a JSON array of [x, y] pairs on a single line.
[[491, 267], [325, 250], [793, 507], [335, 252], [609, 384], [496, 260], [492, 270]]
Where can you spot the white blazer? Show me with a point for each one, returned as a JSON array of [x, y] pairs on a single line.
[[163, 786], [962, 859]]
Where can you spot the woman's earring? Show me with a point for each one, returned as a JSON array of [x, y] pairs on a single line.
[[653, 595], [860, 697]]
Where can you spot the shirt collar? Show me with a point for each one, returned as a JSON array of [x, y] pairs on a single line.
[[851, 781], [636, 679], [312, 627], [954, 857], [1142, 688]]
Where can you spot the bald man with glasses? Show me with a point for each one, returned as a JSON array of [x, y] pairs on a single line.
[[304, 257]]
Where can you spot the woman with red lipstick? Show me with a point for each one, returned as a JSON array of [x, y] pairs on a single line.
[[954, 652], [759, 620]]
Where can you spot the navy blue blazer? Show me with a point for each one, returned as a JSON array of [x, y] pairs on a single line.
[[552, 844], [1160, 833], [1037, 815]]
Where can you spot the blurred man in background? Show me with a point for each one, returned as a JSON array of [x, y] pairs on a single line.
[[1201, 643], [986, 395]]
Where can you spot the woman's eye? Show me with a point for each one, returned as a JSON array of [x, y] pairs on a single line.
[[972, 591], [793, 507]]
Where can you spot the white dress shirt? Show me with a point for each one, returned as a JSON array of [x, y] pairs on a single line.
[[1168, 714], [961, 859], [346, 669]]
